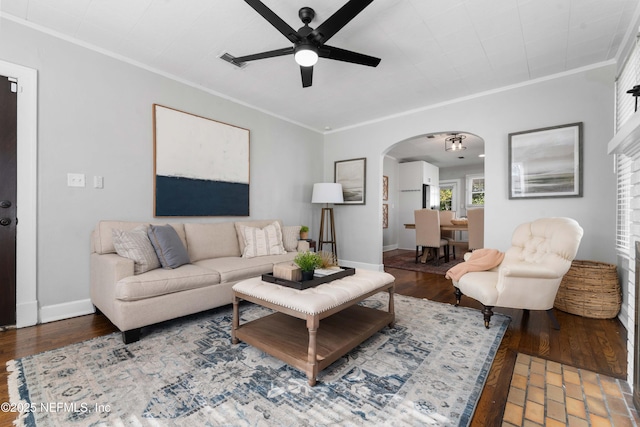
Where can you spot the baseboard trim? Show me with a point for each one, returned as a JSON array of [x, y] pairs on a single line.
[[389, 248], [362, 265], [26, 314], [67, 310]]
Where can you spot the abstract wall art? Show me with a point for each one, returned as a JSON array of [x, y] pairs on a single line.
[[201, 166], [546, 162]]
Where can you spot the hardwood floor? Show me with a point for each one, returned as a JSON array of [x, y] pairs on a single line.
[[596, 345]]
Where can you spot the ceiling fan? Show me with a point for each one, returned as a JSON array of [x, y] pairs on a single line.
[[309, 43]]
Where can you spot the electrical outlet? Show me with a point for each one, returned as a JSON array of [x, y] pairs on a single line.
[[75, 180]]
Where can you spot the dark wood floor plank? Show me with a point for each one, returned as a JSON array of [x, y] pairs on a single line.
[[592, 344]]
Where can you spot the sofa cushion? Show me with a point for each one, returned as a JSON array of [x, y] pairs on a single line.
[[263, 241], [103, 234], [135, 245], [160, 282], [169, 248], [258, 224], [232, 269], [212, 240], [290, 237]]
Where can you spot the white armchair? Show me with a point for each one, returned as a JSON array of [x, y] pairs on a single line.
[[529, 276]]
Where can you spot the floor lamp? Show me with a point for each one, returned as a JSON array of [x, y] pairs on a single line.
[[327, 192]]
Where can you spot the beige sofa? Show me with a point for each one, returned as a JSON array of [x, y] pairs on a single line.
[[215, 250]]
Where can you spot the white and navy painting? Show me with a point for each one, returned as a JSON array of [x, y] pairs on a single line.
[[201, 166]]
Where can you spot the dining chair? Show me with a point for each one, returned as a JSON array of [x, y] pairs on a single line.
[[450, 236], [428, 234], [475, 222]]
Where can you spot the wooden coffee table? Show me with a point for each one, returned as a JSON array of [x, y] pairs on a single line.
[[313, 328]]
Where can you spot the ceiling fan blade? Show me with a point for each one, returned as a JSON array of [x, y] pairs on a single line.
[[264, 55], [307, 75], [338, 54], [338, 20], [274, 20]]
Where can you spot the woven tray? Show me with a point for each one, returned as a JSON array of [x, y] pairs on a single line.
[[590, 289]]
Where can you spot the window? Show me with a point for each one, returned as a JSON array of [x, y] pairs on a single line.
[[475, 190], [623, 211], [449, 195], [625, 109]]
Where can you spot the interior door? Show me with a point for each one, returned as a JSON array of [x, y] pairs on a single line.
[[8, 193]]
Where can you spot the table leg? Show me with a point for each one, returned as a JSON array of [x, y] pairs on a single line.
[[236, 320], [392, 307], [312, 361]]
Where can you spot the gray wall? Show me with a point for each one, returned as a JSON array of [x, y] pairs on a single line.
[[95, 117], [586, 96]]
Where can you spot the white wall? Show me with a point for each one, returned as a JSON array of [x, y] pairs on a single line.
[[390, 235], [586, 96], [95, 117]]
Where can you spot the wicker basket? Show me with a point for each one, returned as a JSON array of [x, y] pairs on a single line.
[[590, 289]]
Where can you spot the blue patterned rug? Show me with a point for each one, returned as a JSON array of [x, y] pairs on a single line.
[[428, 370]]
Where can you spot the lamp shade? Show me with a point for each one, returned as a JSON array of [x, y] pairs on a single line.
[[327, 192]]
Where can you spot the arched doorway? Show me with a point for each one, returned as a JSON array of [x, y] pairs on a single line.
[[460, 174]]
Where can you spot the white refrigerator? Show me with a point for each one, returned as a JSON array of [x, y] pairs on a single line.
[[410, 200]]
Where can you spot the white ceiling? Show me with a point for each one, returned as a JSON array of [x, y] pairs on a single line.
[[432, 50], [431, 149]]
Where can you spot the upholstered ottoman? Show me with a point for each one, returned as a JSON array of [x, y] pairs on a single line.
[[313, 328]]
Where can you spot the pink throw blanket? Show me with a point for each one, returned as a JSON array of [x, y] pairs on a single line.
[[480, 260]]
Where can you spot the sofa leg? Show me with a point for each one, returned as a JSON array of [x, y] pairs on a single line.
[[131, 335], [488, 312], [458, 295]]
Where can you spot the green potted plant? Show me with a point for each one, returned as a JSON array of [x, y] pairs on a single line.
[[307, 261], [304, 232]]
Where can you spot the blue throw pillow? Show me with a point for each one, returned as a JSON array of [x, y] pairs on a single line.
[[168, 246]]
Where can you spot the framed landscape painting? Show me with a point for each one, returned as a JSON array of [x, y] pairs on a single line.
[[546, 162], [352, 174], [201, 166]]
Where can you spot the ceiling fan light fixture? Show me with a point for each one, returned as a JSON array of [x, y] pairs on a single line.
[[306, 55]]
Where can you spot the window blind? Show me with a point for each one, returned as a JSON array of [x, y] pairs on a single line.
[[623, 208], [625, 109]]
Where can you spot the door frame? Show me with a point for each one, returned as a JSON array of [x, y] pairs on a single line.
[[27, 197]]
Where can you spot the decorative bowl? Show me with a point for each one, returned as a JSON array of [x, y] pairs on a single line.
[[460, 221]]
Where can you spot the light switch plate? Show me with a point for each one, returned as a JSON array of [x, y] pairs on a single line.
[[75, 180], [98, 182]]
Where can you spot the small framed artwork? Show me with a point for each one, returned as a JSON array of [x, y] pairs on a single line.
[[385, 215], [385, 187], [352, 174], [546, 162]]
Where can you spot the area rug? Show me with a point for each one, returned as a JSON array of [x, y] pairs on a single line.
[[428, 370], [407, 261]]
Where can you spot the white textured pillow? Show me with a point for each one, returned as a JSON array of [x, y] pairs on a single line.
[[290, 236], [263, 241], [135, 245]]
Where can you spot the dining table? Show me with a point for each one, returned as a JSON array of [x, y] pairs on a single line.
[[443, 227]]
